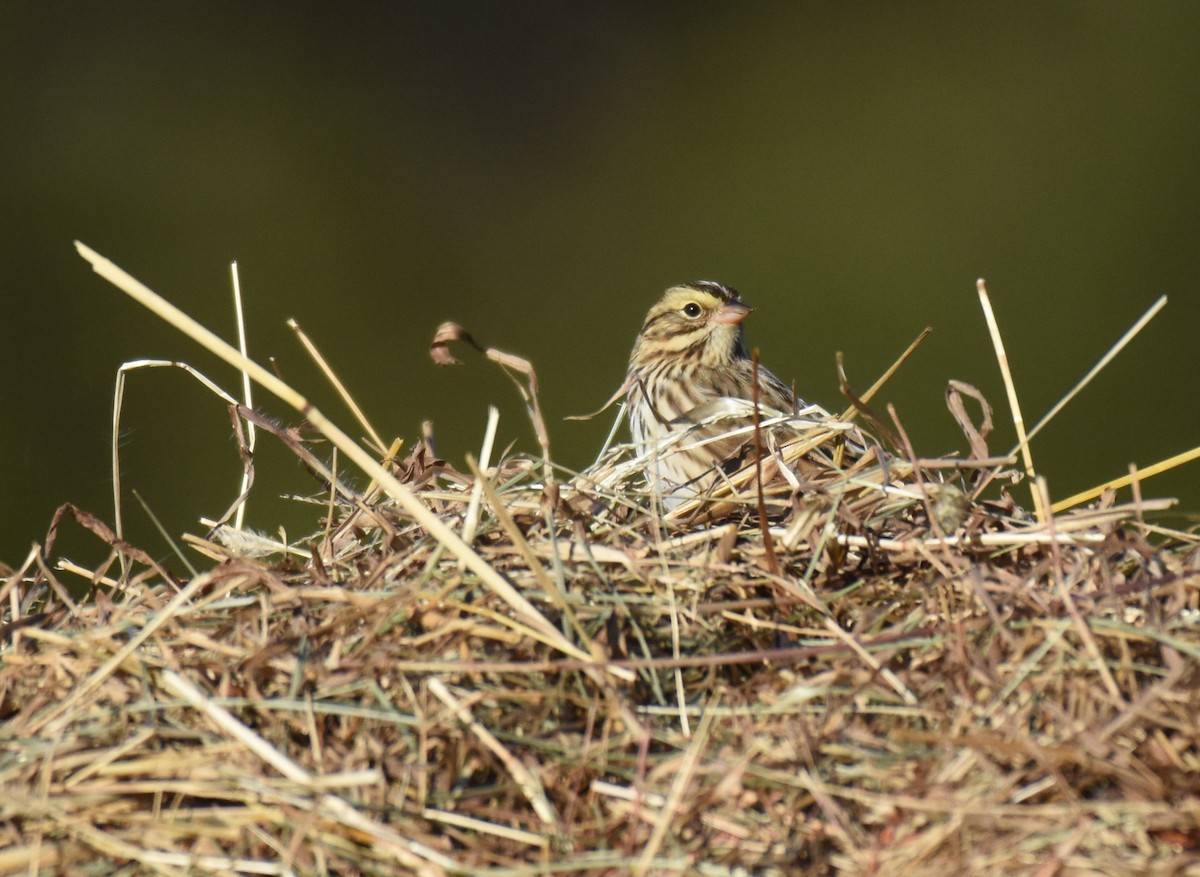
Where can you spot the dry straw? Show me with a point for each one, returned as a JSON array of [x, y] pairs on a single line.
[[850, 659]]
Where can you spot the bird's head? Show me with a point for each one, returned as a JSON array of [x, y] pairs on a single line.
[[696, 322]]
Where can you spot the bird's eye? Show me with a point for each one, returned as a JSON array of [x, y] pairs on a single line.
[[691, 309]]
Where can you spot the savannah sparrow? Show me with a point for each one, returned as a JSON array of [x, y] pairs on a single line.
[[688, 361]]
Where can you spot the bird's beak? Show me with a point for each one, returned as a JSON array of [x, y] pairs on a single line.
[[731, 312]]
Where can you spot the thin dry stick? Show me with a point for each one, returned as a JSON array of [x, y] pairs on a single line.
[[680, 688], [447, 817], [1010, 388], [331, 506], [1137, 493], [330, 376], [471, 518], [1125, 480], [12, 590], [247, 395], [1098, 367], [407, 500], [918, 477], [852, 412], [162, 531]]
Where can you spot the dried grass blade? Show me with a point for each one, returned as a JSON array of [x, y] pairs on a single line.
[[162, 531], [247, 393], [859, 405], [1098, 367], [10, 589], [1010, 388], [447, 817], [976, 436], [849, 413], [677, 673], [1125, 480], [514, 624], [333, 379], [471, 518]]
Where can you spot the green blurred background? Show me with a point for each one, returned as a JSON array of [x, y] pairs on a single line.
[[539, 172]]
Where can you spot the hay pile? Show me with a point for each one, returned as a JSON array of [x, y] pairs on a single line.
[[846, 661], [851, 693]]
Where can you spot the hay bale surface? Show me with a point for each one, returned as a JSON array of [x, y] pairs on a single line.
[[833, 677]]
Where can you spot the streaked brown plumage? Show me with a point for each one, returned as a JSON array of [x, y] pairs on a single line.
[[690, 353]]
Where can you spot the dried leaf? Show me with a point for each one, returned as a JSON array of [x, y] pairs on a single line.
[[954, 401], [439, 347]]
